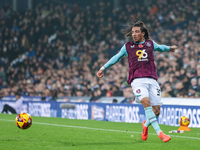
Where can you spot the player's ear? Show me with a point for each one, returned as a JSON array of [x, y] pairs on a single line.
[[143, 33]]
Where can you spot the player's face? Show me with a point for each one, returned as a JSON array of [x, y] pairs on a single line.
[[137, 35]]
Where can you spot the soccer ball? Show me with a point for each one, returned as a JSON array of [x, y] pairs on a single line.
[[23, 121], [184, 121]]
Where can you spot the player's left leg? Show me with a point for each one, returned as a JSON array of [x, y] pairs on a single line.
[[155, 100]]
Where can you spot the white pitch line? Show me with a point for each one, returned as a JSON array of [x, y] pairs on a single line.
[[80, 127]]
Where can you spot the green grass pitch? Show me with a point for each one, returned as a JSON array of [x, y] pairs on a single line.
[[66, 134]]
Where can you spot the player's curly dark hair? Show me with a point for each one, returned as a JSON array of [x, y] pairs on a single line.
[[128, 32]]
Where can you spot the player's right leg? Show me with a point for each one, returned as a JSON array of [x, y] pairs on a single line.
[[140, 89], [144, 134]]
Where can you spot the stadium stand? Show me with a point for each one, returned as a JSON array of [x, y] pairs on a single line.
[[55, 50]]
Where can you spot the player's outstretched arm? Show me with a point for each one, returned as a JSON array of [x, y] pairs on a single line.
[[113, 61], [172, 48], [164, 48]]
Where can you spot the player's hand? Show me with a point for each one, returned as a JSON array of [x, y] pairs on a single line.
[[172, 48], [100, 73]]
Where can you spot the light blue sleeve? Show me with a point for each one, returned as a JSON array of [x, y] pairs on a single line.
[[160, 48], [117, 57]]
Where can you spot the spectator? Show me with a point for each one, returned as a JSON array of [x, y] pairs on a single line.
[[43, 98], [31, 53], [114, 101], [25, 42], [2, 75], [96, 95], [197, 95], [128, 94], [109, 94], [193, 87], [116, 91]]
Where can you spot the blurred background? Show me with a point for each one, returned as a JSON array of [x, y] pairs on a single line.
[[54, 48]]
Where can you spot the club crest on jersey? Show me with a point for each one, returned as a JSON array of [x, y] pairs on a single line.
[[138, 91], [140, 46], [148, 44]]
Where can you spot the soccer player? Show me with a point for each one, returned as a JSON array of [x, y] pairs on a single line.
[[16, 107], [142, 74]]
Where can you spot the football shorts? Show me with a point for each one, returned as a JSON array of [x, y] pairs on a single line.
[[146, 87]]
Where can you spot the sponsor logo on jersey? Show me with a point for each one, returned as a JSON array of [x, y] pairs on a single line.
[[132, 46], [142, 55]]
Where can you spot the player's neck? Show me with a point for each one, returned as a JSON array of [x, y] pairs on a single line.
[[140, 42]]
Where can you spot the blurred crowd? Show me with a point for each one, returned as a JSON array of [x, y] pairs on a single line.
[[56, 50]]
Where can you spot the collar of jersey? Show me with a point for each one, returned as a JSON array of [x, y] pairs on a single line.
[[140, 42]]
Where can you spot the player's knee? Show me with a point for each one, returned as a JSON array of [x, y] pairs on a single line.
[[157, 113], [156, 110], [146, 102]]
